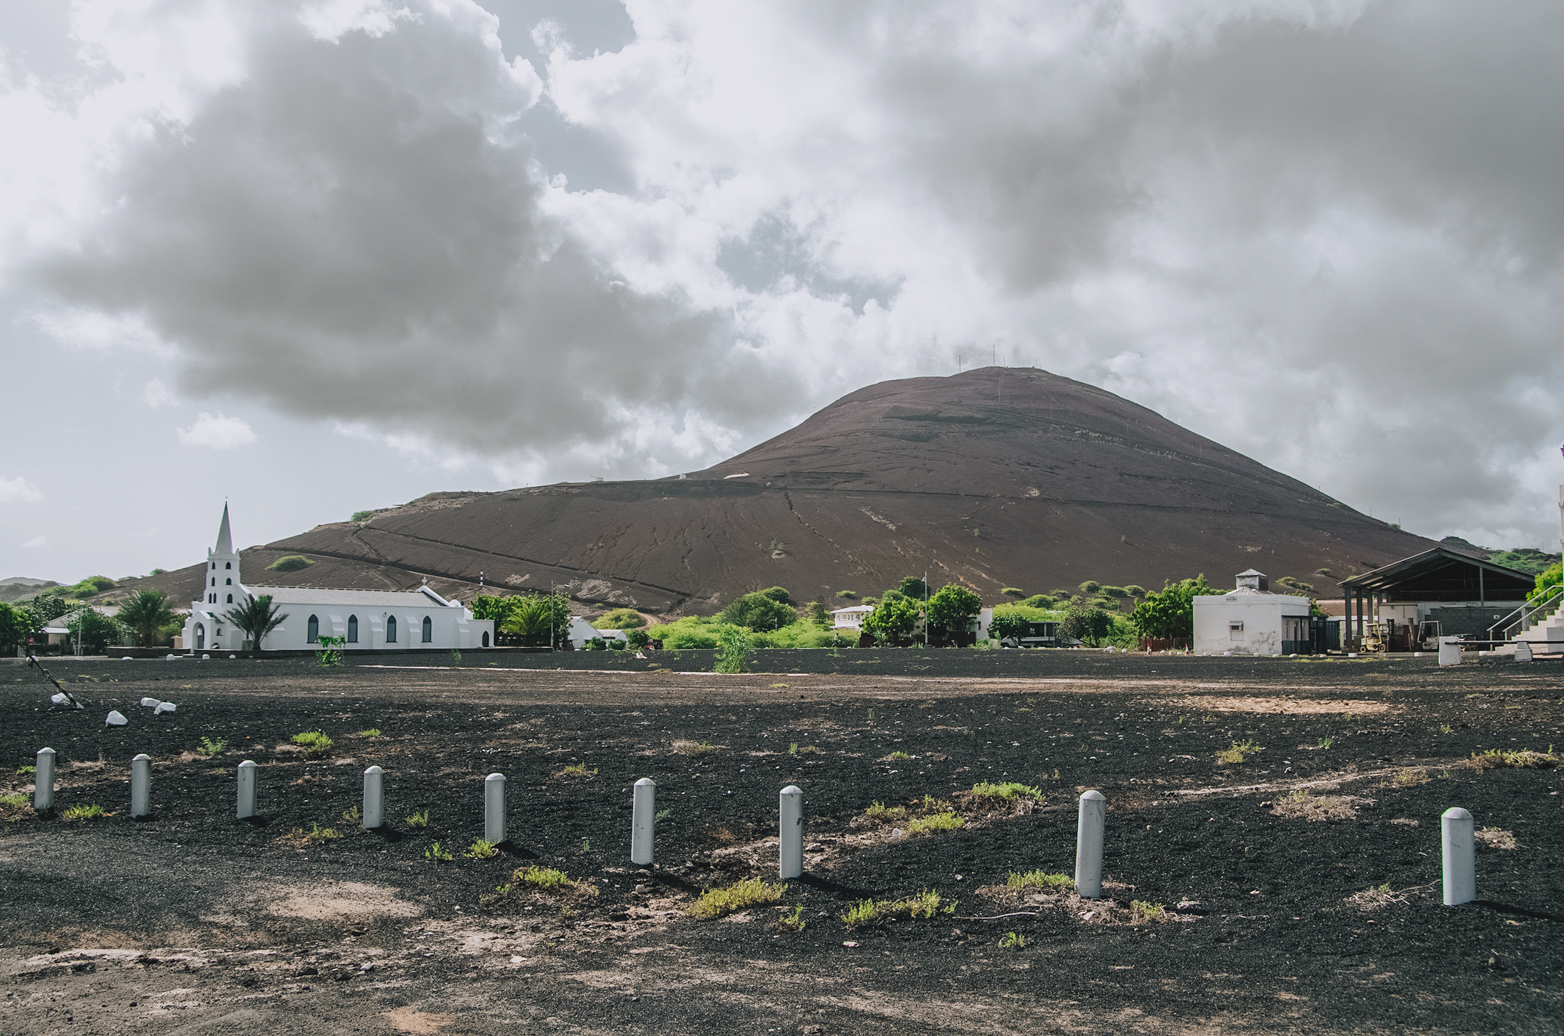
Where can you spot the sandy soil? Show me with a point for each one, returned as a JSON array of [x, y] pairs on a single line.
[[1299, 888]]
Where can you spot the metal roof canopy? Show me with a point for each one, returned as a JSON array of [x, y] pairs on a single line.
[[1441, 574]]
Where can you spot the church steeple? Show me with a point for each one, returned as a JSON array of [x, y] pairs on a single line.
[[225, 540]]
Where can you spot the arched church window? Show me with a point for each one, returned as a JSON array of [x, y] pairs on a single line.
[[312, 630], [214, 566], [214, 580], [230, 582], [485, 638], [428, 630], [230, 598], [200, 638], [228, 564], [352, 629], [391, 630]]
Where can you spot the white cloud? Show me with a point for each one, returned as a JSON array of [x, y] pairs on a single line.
[[155, 394], [217, 432], [19, 491], [36, 543]]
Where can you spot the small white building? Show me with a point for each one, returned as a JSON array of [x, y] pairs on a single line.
[[1251, 620], [366, 620], [850, 618]]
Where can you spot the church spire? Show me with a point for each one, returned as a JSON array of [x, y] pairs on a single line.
[[225, 540]]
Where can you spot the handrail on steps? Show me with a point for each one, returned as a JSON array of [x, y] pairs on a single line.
[[1528, 614]]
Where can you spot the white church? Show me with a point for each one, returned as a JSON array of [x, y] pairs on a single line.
[[366, 620]]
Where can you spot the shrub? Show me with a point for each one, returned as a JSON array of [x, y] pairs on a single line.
[[330, 651], [899, 756], [637, 639], [792, 920], [314, 836], [880, 811], [438, 853], [620, 619], [733, 651], [1021, 881], [371, 732], [1519, 759], [313, 742], [1169, 614], [936, 822], [1012, 941], [1043, 602], [760, 611], [923, 905], [212, 747], [290, 563], [419, 819], [1140, 910], [481, 849], [847, 595], [360, 517], [688, 633], [1007, 791], [741, 895], [576, 770], [1013, 591], [15, 807], [696, 748], [551, 880]]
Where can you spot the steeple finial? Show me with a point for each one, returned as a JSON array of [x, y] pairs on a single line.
[[225, 540]]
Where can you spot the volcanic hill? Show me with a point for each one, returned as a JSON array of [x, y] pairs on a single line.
[[995, 477]]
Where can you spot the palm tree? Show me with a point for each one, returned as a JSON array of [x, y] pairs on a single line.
[[146, 614], [529, 618], [256, 617]]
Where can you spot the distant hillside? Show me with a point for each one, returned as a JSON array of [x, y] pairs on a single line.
[[1522, 559], [995, 477]]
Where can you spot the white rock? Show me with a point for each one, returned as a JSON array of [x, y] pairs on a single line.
[[125, 658], [115, 719], [150, 703], [172, 657], [58, 699], [162, 707]]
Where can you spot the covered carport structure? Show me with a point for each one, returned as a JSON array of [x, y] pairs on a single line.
[[1464, 593]]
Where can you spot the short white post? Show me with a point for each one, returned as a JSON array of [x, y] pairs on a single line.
[[494, 808], [1460, 856], [43, 780], [374, 798], [246, 789], [643, 819], [141, 785], [1088, 845], [1449, 650], [790, 831]]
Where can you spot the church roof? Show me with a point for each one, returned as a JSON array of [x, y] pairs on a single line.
[[311, 595], [225, 540]]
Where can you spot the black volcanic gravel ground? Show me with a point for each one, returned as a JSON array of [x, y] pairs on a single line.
[[193, 921]]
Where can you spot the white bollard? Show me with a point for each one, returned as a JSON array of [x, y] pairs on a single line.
[[1523, 651], [1460, 856], [494, 808], [141, 785], [246, 789], [790, 831], [643, 819], [43, 780], [1449, 650], [1088, 845], [374, 798]]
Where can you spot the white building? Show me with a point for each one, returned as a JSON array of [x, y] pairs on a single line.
[[366, 620], [850, 618], [1251, 620]]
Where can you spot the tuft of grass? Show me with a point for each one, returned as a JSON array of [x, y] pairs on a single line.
[[212, 747], [662, 814], [419, 819], [1012, 941], [88, 812], [552, 881], [741, 895], [880, 811], [371, 732], [899, 756], [314, 742], [15, 807], [1515, 758], [1239, 752], [930, 804], [1497, 838], [353, 816], [1140, 910], [792, 920], [576, 770], [1324, 742], [481, 849], [26, 771], [1409, 776], [1023, 880], [936, 822], [1445, 728], [695, 748], [921, 906], [797, 749], [314, 836], [1007, 791], [438, 853]]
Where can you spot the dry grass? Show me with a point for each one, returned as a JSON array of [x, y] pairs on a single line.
[[1375, 898], [1517, 759], [15, 807], [1238, 752], [1494, 838], [1305, 805], [314, 836], [694, 748], [1410, 777], [1142, 912]]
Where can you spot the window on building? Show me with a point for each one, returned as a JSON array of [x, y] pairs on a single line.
[[391, 630], [200, 636], [228, 582], [214, 580], [485, 638], [1235, 631], [228, 564], [214, 566], [312, 630], [428, 630], [352, 629], [230, 598]]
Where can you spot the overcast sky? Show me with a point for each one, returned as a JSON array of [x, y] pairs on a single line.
[[317, 256]]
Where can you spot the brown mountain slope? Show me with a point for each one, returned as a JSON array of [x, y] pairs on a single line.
[[995, 477]]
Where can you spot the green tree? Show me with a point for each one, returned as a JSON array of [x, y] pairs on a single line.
[[16, 625], [93, 631], [146, 614], [952, 610], [1091, 588], [893, 619], [759, 611], [620, 619], [1043, 601], [1088, 625], [780, 594], [733, 650], [1548, 577], [913, 587], [1169, 614], [256, 618], [537, 619], [817, 614], [1005, 625], [1135, 590]]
